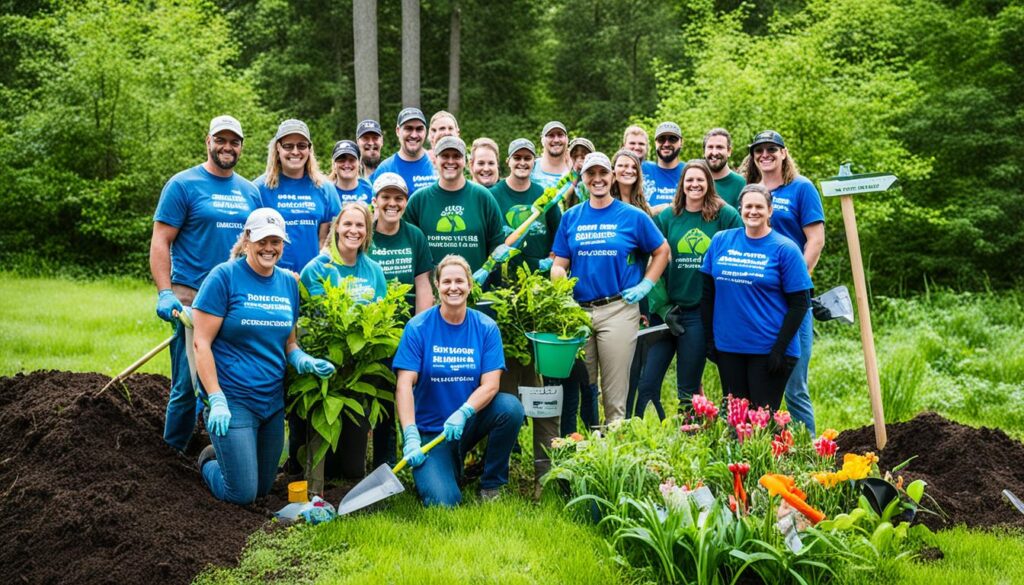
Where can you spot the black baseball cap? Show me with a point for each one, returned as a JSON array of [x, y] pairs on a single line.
[[767, 137], [369, 126], [344, 147]]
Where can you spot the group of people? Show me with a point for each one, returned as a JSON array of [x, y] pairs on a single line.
[[723, 258]]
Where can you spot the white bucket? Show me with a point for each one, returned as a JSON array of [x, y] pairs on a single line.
[[541, 401]]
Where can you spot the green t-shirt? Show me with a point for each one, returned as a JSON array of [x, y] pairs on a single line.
[[729, 187], [689, 237], [403, 255], [515, 208], [466, 222]]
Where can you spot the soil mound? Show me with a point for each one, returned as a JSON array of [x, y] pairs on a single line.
[[966, 468], [92, 494]]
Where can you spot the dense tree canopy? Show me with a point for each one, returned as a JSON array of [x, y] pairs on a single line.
[[103, 100]]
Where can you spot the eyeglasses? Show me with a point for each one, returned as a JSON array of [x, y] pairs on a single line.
[[768, 149], [290, 146], [234, 142], [668, 139]]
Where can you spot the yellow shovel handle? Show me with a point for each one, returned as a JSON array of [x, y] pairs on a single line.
[[437, 441]]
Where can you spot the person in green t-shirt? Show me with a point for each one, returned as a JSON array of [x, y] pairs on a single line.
[[399, 247], [717, 150], [456, 216], [696, 215]]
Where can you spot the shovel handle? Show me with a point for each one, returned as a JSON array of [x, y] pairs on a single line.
[[426, 448]]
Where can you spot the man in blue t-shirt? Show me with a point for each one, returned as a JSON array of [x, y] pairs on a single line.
[[198, 219], [411, 161], [662, 179], [553, 162]]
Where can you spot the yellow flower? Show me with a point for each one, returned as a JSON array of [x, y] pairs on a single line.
[[858, 466]]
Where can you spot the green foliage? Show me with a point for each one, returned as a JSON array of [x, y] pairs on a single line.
[[356, 337], [534, 302]]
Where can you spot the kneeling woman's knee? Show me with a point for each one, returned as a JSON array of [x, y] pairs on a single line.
[[507, 408], [446, 494]]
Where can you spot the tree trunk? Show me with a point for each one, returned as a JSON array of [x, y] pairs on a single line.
[[364, 29], [453, 59], [410, 53]]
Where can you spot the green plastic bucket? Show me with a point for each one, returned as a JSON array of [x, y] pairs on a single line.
[[554, 356]]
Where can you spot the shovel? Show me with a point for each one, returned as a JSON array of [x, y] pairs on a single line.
[[1013, 499], [186, 319], [380, 484]]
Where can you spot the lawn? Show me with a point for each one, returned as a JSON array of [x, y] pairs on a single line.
[[962, 355]]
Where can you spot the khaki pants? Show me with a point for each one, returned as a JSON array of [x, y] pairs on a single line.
[[610, 353], [544, 429]]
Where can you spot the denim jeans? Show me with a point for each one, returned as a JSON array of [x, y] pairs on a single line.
[[689, 351], [798, 397], [182, 410], [247, 456], [437, 479]]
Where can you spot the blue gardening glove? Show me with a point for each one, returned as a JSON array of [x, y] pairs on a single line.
[[480, 276], [455, 424], [411, 450], [220, 417], [506, 230], [307, 364], [633, 294], [166, 304], [502, 253], [545, 264]]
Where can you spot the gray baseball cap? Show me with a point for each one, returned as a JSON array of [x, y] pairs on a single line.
[[408, 114], [292, 127], [447, 142], [390, 181], [596, 159], [551, 126], [367, 126], [519, 144], [265, 222], [581, 142], [668, 128], [344, 147], [225, 123]]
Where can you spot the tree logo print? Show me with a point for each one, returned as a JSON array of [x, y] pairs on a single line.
[[694, 241], [451, 223]]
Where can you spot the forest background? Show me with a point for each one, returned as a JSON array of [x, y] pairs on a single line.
[[102, 101]]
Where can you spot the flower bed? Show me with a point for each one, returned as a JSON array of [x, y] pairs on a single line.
[[731, 492]]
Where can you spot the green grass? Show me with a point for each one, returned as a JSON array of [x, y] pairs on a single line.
[[962, 355]]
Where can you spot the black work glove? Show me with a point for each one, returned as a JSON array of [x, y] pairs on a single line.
[[777, 360], [820, 311]]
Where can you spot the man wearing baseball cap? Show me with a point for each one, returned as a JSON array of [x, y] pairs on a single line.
[[370, 137], [345, 174], [457, 216], [198, 218], [411, 161], [662, 178], [553, 163]]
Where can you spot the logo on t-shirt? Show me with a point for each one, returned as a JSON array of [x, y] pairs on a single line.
[[694, 241], [518, 214], [451, 220]]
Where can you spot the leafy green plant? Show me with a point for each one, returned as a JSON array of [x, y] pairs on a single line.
[[356, 338], [534, 302]]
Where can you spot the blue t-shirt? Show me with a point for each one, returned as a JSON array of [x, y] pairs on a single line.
[[602, 244], [660, 184], [304, 207], [544, 178], [417, 174], [752, 277], [209, 212], [795, 206], [368, 282], [259, 314], [449, 359], [363, 192]]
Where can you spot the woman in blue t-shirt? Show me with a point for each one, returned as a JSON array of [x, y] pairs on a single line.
[[244, 317], [598, 241], [344, 264], [449, 365], [756, 293]]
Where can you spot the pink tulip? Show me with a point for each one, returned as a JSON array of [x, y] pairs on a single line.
[[737, 410], [782, 418], [760, 417]]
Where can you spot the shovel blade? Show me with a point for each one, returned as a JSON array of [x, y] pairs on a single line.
[[380, 484]]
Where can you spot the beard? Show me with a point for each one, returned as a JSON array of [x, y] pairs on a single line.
[[227, 166], [716, 164], [370, 160], [667, 158]]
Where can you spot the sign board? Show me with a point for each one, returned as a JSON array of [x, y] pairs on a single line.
[[854, 184]]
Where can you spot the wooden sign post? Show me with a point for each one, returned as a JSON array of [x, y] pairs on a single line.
[[845, 186]]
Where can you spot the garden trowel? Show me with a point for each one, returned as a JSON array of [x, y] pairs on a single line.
[[381, 483], [1014, 500]]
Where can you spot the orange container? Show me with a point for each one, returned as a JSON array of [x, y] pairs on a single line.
[[297, 492]]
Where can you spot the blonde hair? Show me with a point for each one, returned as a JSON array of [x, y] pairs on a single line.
[[631, 130], [712, 203], [484, 142], [443, 114], [272, 178], [332, 234], [238, 250], [452, 260], [636, 194]]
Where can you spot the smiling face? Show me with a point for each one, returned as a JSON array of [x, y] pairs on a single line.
[[668, 147], [351, 231], [223, 149], [625, 171], [717, 152], [520, 164], [555, 142], [598, 181], [410, 138], [369, 148], [485, 167], [390, 204], [695, 187], [264, 254], [293, 152], [453, 286], [755, 211], [347, 167], [451, 164], [442, 126], [637, 142], [768, 158]]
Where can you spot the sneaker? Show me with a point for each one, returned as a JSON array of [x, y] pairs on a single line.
[[489, 494], [207, 455]]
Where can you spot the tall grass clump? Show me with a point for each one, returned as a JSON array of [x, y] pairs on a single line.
[[903, 376]]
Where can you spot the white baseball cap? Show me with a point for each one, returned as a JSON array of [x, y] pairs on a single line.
[[266, 222], [225, 123], [390, 181], [596, 159]]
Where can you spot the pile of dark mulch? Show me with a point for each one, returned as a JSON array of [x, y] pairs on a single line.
[[966, 468], [92, 494]]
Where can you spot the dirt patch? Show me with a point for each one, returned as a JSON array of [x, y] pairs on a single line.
[[966, 468], [92, 494]]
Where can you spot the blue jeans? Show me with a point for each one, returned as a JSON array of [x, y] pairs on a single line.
[[247, 456], [798, 397], [182, 412], [689, 351], [437, 479]]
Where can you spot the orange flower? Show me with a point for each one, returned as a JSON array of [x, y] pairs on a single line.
[[830, 434]]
